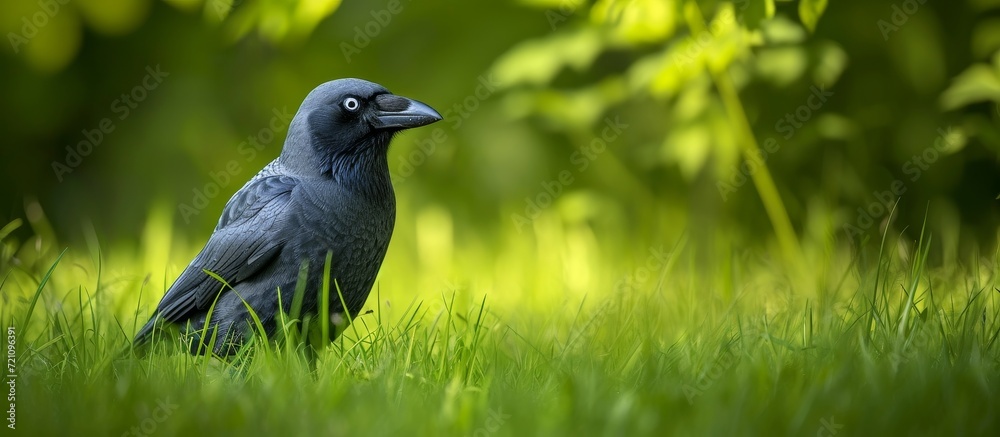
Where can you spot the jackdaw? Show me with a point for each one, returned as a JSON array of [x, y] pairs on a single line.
[[329, 191]]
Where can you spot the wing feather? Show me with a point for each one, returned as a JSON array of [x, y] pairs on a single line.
[[251, 232]]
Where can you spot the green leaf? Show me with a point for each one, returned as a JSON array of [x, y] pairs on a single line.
[[636, 21], [810, 11], [113, 17], [689, 146], [538, 62], [978, 83], [753, 12]]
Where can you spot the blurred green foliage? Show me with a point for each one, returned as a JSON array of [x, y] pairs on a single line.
[[843, 100], [605, 174]]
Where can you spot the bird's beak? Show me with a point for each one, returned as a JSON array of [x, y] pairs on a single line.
[[396, 112]]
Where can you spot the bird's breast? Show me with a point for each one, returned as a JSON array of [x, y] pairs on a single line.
[[345, 223]]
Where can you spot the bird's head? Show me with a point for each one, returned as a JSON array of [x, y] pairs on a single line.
[[345, 125]]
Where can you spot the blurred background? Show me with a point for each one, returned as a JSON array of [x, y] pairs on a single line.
[[576, 130]]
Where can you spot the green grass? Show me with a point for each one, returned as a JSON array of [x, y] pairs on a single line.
[[531, 337]]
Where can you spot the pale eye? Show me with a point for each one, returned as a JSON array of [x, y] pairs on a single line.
[[351, 104]]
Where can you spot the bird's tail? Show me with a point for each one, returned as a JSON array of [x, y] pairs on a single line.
[[144, 333], [141, 341]]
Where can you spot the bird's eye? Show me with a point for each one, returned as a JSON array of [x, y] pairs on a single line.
[[351, 104]]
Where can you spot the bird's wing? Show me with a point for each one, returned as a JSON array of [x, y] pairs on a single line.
[[252, 230]]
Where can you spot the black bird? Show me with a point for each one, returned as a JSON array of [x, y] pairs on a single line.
[[328, 191]]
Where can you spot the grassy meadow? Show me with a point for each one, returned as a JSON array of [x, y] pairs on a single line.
[[459, 342]]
